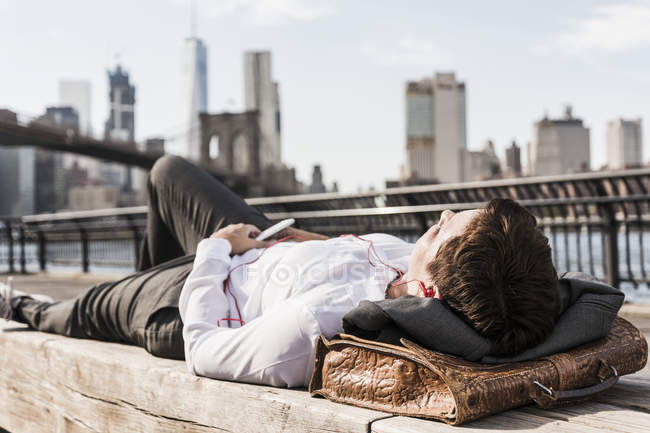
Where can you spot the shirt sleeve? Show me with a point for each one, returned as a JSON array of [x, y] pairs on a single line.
[[273, 349]]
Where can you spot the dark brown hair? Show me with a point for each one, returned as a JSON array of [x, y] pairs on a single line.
[[499, 277]]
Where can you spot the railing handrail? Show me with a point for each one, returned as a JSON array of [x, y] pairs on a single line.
[[84, 214], [615, 174], [305, 198], [325, 213], [427, 208]]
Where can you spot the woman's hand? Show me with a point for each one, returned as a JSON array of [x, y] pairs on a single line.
[[240, 237]]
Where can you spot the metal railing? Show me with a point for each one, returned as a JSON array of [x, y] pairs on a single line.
[[597, 222]]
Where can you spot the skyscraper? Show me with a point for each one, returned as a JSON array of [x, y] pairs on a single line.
[[195, 95], [65, 118], [624, 143], [436, 137], [513, 160], [419, 130], [482, 164], [16, 175], [50, 176], [317, 185], [261, 93], [559, 146], [120, 126], [76, 94]]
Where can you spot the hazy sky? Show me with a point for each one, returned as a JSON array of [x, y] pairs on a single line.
[[342, 66]]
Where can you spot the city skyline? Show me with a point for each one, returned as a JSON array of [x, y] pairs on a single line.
[[358, 108]]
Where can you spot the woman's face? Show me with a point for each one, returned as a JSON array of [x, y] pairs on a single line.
[[451, 224]]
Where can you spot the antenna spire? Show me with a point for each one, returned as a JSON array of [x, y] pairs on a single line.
[[193, 19]]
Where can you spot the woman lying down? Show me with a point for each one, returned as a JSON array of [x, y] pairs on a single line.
[[239, 309]]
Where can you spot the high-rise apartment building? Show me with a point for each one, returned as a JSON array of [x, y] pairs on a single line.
[[419, 130], [436, 137], [16, 175], [26, 185], [195, 95], [624, 143], [513, 160], [559, 146], [33, 180], [261, 93], [482, 164], [64, 118], [120, 126], [317, 185], [76, 94], [50, 176]]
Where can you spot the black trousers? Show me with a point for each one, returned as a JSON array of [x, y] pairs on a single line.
[[186, 205]]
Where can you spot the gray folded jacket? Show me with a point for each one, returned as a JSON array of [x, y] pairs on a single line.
[[588, 308]]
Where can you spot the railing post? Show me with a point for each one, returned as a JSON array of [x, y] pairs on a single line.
[[610, 254], [21, 240], [420, 217], [42, 251], [10, 242], [85, 259], [136, 241], [136, 245]]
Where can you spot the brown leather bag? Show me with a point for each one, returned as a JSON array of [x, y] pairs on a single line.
[[414, 381]]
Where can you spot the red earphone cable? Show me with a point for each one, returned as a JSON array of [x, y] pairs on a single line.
[[226, 282], [371, 246]]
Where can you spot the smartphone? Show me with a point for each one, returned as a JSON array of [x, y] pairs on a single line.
[[275, 228]]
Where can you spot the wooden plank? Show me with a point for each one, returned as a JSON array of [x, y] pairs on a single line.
[[27, 408], [624, 408], [511, 420], [49, 382], [632, 393], [598, 415]]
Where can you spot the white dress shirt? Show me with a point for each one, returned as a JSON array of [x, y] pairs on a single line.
[[291, 294]]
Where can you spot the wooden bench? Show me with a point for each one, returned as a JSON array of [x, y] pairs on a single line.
[[51, 383]]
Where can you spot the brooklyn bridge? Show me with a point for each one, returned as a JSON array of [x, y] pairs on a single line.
[[236, 162]]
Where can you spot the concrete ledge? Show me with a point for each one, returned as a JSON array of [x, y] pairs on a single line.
[[50, 383]]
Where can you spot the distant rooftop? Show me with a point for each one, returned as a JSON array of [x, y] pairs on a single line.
[[568, 118], [440, 80], [422, 86]]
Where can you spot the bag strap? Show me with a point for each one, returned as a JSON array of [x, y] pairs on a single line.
[[547, 397], [375, 345]]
